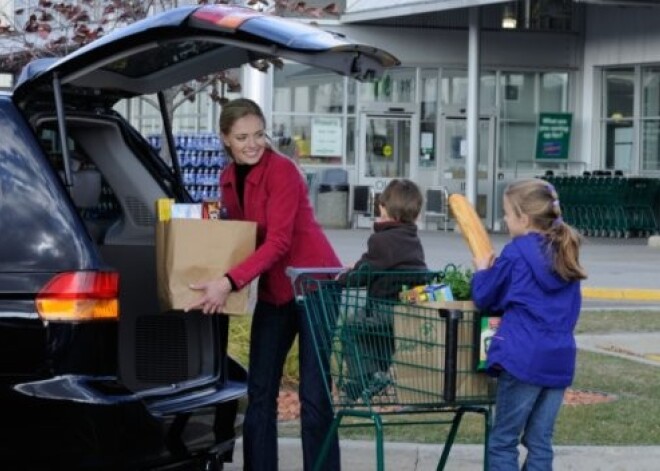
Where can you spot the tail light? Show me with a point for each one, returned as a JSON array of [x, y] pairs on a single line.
[[80, 296], [223, 18]]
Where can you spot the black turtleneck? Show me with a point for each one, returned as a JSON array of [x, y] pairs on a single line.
[[241, 174]]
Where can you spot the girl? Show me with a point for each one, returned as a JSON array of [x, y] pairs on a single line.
[[536, 284]]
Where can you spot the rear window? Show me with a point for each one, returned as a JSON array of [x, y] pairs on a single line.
[[40, 231], [92, 196]]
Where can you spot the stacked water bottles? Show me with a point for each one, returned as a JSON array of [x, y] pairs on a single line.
[[201, 159]]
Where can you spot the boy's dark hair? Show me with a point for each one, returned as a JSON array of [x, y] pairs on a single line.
[[402, 199]]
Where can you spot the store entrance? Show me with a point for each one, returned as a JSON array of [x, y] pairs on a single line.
[[386, 146], [453, 165]]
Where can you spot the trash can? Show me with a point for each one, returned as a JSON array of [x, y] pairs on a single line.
[[311, 187], [332, 205]]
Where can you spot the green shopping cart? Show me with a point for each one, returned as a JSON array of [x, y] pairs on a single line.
[[389, 362]]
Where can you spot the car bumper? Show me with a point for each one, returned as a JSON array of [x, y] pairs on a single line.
[[84, 422]]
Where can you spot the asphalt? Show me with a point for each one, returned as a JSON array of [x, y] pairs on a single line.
[[629, 265]]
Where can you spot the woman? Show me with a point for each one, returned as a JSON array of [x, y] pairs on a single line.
[[267, 188]]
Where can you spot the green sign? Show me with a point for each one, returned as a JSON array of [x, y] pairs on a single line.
[[553, 135]]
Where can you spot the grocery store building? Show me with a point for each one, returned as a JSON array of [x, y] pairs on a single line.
[[565, 87], [487, 91]]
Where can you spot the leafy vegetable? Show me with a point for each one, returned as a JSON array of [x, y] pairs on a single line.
[[458, 279]]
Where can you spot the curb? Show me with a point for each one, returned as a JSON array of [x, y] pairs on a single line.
[[622, 294]]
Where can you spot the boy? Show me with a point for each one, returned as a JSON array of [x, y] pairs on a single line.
[[367, 336]]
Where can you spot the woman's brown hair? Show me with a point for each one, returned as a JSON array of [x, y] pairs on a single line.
[[539, 200]]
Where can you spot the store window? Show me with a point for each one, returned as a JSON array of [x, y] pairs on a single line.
[[429, 117], [617, 120], [630, 119], [651, 119], [554, 92], [454, 89], [311, 122], [523, 95], [395, 86], [303, 89], [351, 140]]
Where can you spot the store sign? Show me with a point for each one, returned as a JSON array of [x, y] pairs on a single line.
[[327, 138], [553, 135]]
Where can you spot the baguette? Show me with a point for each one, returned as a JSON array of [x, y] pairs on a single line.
[[473, 230]]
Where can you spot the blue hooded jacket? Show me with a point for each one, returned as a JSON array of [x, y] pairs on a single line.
[[534, 342]]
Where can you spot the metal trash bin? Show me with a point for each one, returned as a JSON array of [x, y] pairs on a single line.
[[312, 183], [332, 205]]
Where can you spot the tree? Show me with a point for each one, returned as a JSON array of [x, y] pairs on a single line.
[[52, 29]]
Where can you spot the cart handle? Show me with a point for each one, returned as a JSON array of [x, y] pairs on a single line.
[[293, 273]]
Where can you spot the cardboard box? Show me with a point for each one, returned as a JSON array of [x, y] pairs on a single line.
[[191, 251], [420, 356]]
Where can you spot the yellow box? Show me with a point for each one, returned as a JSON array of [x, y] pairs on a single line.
[[164, 209]]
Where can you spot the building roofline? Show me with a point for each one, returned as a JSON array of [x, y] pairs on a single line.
[[370, 10]]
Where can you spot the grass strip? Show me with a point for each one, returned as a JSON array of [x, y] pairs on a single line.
[[630, 420]]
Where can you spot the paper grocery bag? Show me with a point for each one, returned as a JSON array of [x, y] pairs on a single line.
[[191, 251]]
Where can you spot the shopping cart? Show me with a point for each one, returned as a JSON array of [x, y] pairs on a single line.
[[389, 362]]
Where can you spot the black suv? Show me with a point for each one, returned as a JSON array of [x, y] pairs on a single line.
[[92, 373]]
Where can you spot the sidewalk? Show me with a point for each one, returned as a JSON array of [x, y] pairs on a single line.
[[641, 347], [361, 456]]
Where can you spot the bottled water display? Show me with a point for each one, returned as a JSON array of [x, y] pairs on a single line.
[[201, 159]]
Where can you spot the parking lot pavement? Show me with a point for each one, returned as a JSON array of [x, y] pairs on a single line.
[[610, 263]]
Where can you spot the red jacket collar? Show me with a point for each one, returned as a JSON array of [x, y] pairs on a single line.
[[257, 173]]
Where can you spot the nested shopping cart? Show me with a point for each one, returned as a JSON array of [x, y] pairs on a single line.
[[390, 362]]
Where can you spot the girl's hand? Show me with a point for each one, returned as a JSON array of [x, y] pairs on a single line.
[[484, 263], [214, 296]]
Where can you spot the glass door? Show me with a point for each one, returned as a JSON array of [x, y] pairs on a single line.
[[385, 148], [453, 160]]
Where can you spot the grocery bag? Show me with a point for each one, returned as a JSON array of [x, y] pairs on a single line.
[[190, 251]]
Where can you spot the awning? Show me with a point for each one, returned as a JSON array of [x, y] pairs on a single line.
[[369, 10], [623, 3]]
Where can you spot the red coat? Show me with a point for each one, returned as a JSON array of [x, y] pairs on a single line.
[[275, 197]]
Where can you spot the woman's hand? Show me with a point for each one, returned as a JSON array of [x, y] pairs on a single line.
[[214, 296], [484, 263], [344, 270]]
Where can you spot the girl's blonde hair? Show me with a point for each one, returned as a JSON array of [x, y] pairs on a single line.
[[539, 200]]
